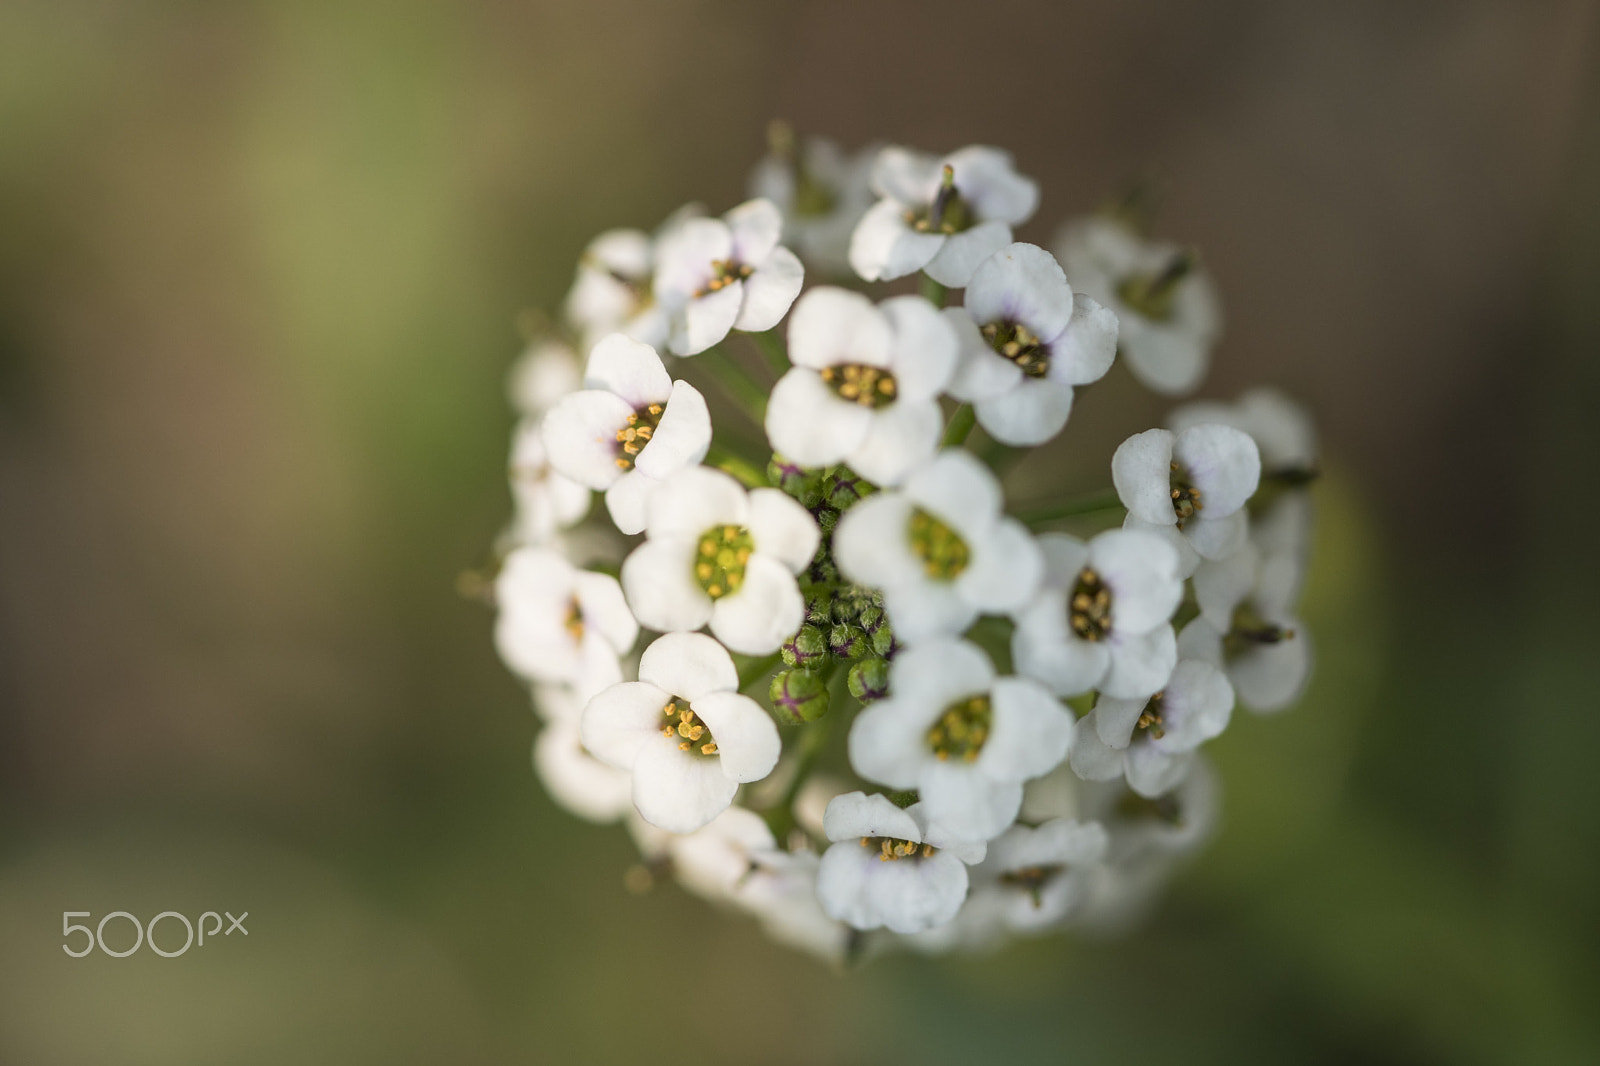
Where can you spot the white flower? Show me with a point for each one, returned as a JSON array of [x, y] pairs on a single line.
[[1101, 620], [965, 739], [1248, 629], [1151, 741], [822, 192], [630, 428], [576, 780], [864, 386], [717, 861], [545, 373], [546, 502], [939, 548], [561, 624], [612, 290], [1026, 340], [1034, 878], [717, 553], [782, 893], [1144, 827], [942, 216], [1189, 487], [891, 867], [715, 275], [1161, 295], [684, 732]]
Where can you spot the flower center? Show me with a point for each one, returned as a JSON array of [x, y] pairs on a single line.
[[892, 849], [573, 623], [636, 433], [690, 732], [942, 551], [962, 730], [1032, 879], [948, 213], [869, 386], [1185, 497], [1018, 343], [1151, 723], [1150, 295], [1250, 630], [720, 559], [725, 272], [1089, 610]]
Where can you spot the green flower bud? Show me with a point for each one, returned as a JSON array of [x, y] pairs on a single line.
[[869, 680], [807, 486], [847, 641], [805, 648], [844, 487], [798, 696], [880, 635]]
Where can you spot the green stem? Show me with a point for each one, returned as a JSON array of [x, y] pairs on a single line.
[[961, 423], [996, 456], [773, 350], [756, 669], [1044, 514], [748, 473], [737, 382], [932, 291]]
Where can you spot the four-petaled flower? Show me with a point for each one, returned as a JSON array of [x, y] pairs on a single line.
[[1189, 488]]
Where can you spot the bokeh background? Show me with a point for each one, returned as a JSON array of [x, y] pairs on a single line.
[[259, 269]]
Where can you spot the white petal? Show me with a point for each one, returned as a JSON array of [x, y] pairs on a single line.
[[871, 542], [598, 665], [535, 645], [782, 529], [1201, 640], [620, 721], [1164, 360], [1223, 463], [679, 791], [684, 255], [924, 608], [981, 372], [920, 894], [808, 424], [1022, 283], [906, 175], [1188, 558], [1140, 665], [1030, 734], [683, 436], [832, 325], [1141, 570], [1034, 411], [605, 610], [1272, 676], [900, 438], [1065, 556], [658, 579], [1088, 347], [766, 611], [1092, 758], [852, 815], [632, 370], [577, 780], [961, 253], [1141, 469], [1154, 773], [580, 436], [1005, 569], [1115, 719], [626, 501], [888, 742], [1217, 538], [695, 499], [967, 801], [958, 489], [1044, 648], [769, 291], [690, 665], [883, 247], [747, 741], [987, 180], [1196, 706], [755, 226], [1221, 586], [705, 320], [924, 348]]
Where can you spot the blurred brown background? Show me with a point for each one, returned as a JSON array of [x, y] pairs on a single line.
[[259, 264]]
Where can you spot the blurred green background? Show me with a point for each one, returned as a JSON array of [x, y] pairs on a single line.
[[259, 265]]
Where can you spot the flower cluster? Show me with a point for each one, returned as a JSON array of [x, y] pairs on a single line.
[[836, 679]]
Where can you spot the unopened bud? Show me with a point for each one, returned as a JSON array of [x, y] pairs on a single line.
[[798, 696], [869, 680], [807, 486], [845, 487], [847, 641], [805, 648]]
